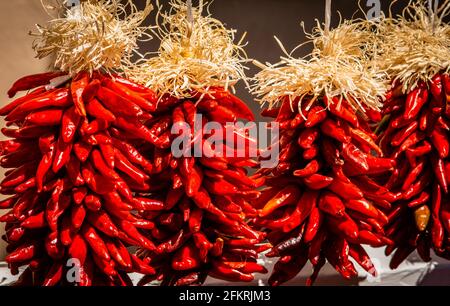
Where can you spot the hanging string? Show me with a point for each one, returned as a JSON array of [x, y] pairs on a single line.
[[433, 7], [190, 17], [436, 7], [327, 16]]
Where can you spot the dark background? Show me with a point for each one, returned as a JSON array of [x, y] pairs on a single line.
[[264, 19]]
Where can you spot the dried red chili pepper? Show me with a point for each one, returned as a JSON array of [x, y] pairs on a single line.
[[334, 216], [71, 195]]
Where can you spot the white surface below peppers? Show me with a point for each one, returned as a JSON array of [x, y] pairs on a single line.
[[410, 273]]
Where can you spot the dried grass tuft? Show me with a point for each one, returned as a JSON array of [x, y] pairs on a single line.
[[99, 34], [196, 53], [416, 45], [340, 65]]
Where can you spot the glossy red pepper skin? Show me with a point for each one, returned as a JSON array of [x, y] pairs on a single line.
[[32, 81]]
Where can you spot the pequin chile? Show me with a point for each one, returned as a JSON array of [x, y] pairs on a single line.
[[321, 202], [74, 177], [416, 134], [201, 229]]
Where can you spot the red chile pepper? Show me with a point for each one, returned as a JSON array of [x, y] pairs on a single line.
[[96, 244], [344, 225], [62, 155], [423, 198], [90, 91], [77, 87], [78, 249], [100, 164], [18, 175], [97, 110], [362, 258], [330, 128], [130, 95], [125, 166], [221, 271], [317, 181], [236, 105], [347, 191], [36, 221], [141, 131], [437, 88], [92, 202], [117, 104], [303, 209], [355, 158], [119, 253], [365, 139], [413, 175], [441, 142], [315, 116], [340, 109], [414, 102], [186, 258], [402, 134], [307, 138], [12, 105], [148, 204], [107, 151], [439, 170], [45, 118], [82, 150], [331, 204], [315, 221], [33, 81], [69, 124], [23, 253], [311, 168]]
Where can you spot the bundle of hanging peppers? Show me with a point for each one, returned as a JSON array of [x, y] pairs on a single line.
[[418, 137], [73, 173], [73, 168], [416, 131], [204, 187], [322, 202], [201, 228]]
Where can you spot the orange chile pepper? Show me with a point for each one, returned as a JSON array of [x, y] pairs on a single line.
[[287, 196]]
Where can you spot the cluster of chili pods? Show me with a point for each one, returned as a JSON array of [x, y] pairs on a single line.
[[321, 203], [202, 230], [417, 136], [73, 173]]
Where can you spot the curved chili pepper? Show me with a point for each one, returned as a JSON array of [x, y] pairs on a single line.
[[47, 117], [118, 104], [129, 94], [32, 81], [69, 124]]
